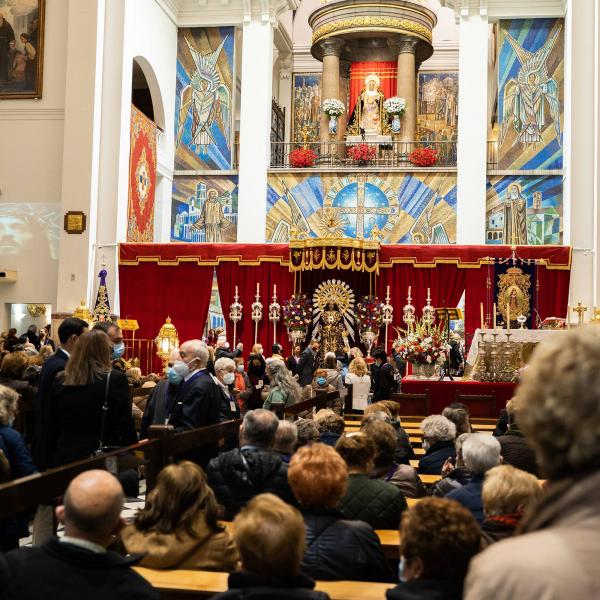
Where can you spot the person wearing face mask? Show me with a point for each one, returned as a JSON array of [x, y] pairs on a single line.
[[438, 540], [222, 349], [308, 363], [292, 361], [257, 349], [225, 379], [383, 376], [197, 400], [161, 400], [252, 397], [15, 450], [318, 384], [241, 383]]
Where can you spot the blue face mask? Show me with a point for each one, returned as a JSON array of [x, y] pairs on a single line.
[[173, 377], [118, 351], [321, 380], [401, 567]]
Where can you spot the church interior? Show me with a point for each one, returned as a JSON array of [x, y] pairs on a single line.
[[275, 233]]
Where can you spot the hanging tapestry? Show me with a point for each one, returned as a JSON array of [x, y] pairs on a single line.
[[142, 178]]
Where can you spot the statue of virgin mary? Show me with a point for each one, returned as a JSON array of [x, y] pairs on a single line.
[[368, 116]]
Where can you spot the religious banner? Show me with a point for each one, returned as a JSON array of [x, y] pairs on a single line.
[[437, 110], [142, 178], [306, 107], [394, 208], [530, 94], [204, 98], [524, 210]]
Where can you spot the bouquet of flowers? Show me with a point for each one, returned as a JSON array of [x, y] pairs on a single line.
[[333, 107], [369, 313], [394, 105], [423, 157], [362, 153], [424, 344], [297, 312], [302, 157]]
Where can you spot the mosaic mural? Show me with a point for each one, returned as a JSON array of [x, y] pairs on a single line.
[[400, 208], [530, 93], [437, 111], [204, 98], [204, 209], [524, 210], [306, 109]]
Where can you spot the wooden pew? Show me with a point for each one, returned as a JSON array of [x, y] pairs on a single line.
[[320, 400], [185, 584]]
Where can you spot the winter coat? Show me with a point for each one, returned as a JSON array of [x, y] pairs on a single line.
[[556, 558], [517, 452], [68, 572], [469, 496], [433, 460], [373, 501], [426, 589], [240, 474], [404, 451], [384, 383], [456, 479], [493, 531], [329, 438], [208, 550], [404, 477], [306, 366], [247, 586], [338, 549]]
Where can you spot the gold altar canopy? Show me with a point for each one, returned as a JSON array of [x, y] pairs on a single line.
[[334, 253]]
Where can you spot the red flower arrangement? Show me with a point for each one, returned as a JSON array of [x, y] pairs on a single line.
[[302, 157], [362, 153], [369, 313], [423, 157], [297, 312]]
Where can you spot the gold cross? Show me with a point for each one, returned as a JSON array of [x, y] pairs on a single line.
[[580, 310]]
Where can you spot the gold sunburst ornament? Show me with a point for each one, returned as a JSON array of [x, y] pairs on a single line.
[[36, 310], [513, 294], [331, 223]]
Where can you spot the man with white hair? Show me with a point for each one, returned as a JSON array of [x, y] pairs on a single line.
[[197, 401], [222, 349], [480, 452]]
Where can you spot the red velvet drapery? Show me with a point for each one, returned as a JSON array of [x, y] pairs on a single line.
[[230, 274], [387, 72]]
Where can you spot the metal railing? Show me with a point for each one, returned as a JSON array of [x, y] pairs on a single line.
[[337, 154]]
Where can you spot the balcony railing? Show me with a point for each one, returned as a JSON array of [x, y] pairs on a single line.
[[386, 155]]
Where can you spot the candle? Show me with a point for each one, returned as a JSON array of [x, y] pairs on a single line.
[[409, 288], [257, 288], [508, 318], [568, 317], [428, 294], [274, 289], [494, 316], [481, 311], [387, 292]]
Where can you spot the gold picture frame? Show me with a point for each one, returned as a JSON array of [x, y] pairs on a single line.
[[75, 222]]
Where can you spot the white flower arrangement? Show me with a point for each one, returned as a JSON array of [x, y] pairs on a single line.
[[394, 105], [333, 107]]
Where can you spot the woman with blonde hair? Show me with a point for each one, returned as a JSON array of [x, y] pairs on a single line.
[[360, 380], [178, 528], [91, 403]]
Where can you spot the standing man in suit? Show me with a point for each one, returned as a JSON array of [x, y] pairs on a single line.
[[308, 363], [198, 400]]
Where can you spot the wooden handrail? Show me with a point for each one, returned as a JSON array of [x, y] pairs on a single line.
[[320, 400]]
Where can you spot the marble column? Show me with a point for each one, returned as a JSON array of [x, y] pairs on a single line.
[[285, 91], [344, 85], [330, 84], [406, 87]]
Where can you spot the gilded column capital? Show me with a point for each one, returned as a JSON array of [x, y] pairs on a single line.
[[331, 46], [403, 44]]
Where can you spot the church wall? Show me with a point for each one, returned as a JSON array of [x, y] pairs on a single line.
[[407, 208], [31, 177]]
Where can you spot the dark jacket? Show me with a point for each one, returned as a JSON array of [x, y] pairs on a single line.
[[517, 452], [247, 586], [454, 480], [426, 589], [197, 404], [329, 438], [501, 424], [338, 549], [373, 501], [159, 406], [306, 367], [292, 364], [404, 451], [76, 420], [470, 496], [44, 407], [225, 353], [493, 531], [433, 460], [229, 406], [240, 474], [62, 571], [384, 383]]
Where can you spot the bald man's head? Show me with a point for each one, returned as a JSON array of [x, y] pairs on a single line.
[[196, 352], [92, 506]]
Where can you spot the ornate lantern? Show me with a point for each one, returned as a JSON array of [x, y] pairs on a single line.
[[166, 341], [83, 312]]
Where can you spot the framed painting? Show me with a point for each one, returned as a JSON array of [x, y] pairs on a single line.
[[21, 49]]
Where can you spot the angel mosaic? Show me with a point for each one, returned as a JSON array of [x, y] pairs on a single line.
[[526, 96], [207, 98]]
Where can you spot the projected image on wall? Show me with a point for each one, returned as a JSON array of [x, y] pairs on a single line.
[[24, 227]]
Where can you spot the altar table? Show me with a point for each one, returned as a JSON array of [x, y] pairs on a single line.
[[528, 338], [443, 393]]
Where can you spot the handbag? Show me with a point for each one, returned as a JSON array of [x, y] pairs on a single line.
[[110, 462]]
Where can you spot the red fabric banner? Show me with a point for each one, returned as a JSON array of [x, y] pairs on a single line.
[[142, 178], [385, 70]]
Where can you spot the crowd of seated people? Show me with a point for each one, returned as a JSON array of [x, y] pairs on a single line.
[[306, 497]]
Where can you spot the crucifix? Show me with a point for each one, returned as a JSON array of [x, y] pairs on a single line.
[[361, 209], [580, 310]]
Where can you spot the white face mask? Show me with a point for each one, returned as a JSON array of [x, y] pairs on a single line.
[[228, 378], [181, 368], [426, 445], [240, 368]]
